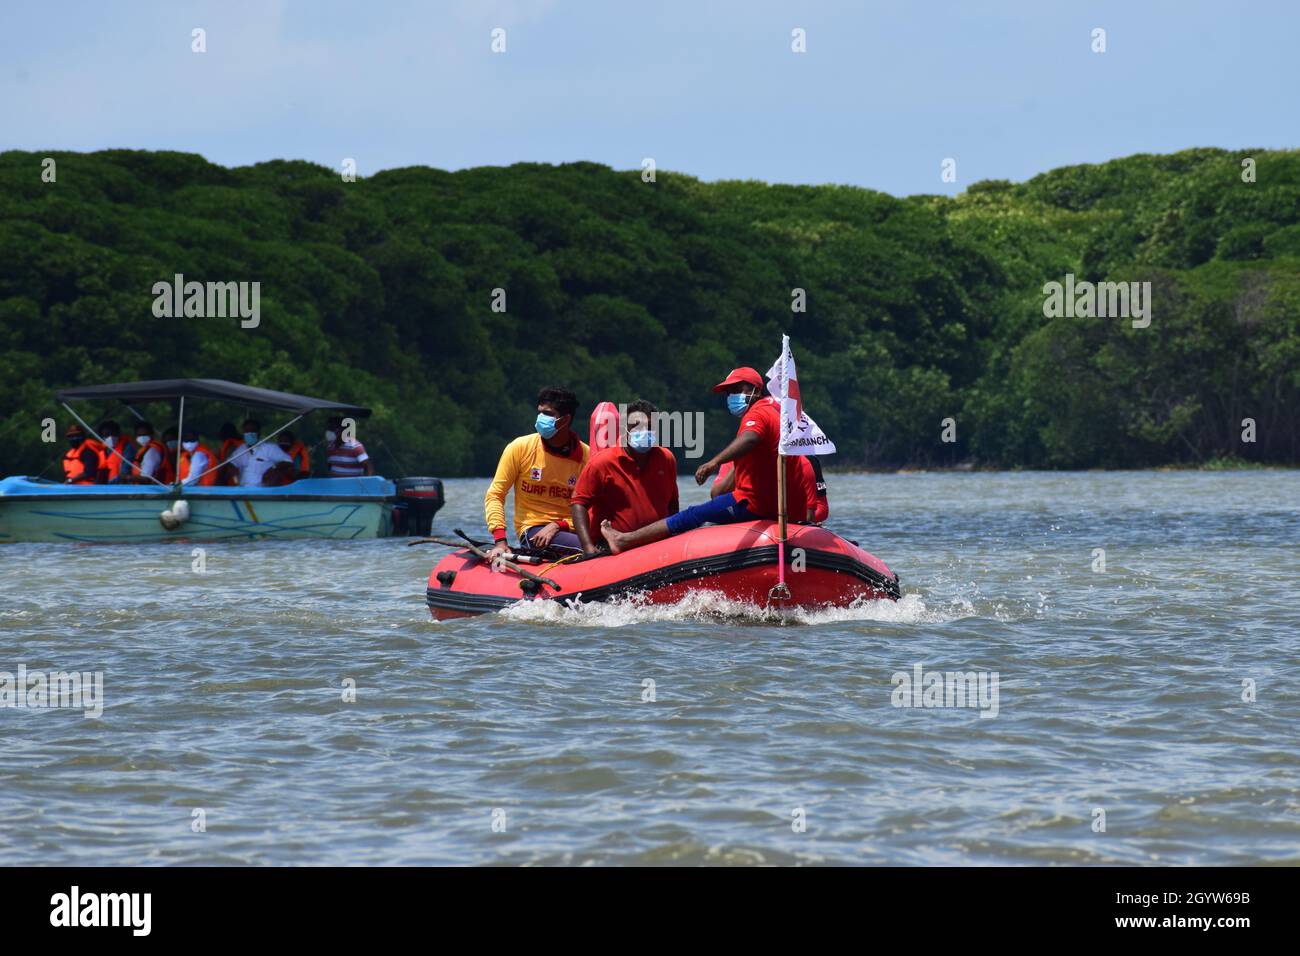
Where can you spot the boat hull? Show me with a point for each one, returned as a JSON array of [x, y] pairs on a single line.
[[338, 508], [737, 561]]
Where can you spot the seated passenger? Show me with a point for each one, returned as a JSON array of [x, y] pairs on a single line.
[[151, 458], [754, 451], [297, 453], [261, 464], [84, 460], [542, 468], [628, 486], [230, 445], [170, 442], [197, 463], [119, 452], [809, 484]]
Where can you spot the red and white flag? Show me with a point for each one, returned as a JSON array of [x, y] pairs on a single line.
[[799, 433]]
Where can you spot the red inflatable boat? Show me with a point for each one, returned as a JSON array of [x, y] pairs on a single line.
[[735, 560]]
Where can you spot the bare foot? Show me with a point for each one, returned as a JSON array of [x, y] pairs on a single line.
[[615, 538]]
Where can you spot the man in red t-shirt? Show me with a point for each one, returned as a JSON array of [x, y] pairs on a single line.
[[628, 486], [754, 451], [809, 484]]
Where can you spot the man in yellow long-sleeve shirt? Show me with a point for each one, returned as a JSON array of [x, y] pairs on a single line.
[[543, 469]]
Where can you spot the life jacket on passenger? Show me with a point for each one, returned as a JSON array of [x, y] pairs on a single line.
[[98, 448], [165, 473], [301, 460], [229, 474], [186, 456], [75, 469], [116, 464]]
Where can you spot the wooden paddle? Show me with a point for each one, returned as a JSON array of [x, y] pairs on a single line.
[[484, 556], [518, 558]]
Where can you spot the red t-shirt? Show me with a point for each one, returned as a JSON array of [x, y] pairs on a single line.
[[615, 484], [805, 486], [756, 471], [819, 508]]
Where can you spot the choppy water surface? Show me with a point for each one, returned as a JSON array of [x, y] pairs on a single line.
[[1119, 691]]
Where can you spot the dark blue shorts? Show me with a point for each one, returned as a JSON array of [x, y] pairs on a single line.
[[724, 509]]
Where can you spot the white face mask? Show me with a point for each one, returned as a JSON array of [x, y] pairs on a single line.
[[143, 439], [109, 441], [330, 436], [189, 445]]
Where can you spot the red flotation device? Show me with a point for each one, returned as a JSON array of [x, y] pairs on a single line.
[[737, 561], [603, 431]]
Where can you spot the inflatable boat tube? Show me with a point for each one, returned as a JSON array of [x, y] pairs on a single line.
[[602, 431], [737, 561]]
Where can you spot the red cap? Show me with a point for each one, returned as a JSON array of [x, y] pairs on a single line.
[[738, 375]]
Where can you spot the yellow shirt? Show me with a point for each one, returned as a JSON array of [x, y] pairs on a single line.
[[543, 482]]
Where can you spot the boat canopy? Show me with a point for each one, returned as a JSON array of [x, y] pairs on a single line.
[[210, 388]]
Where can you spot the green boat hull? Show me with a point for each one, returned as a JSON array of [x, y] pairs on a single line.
[[315, 508]]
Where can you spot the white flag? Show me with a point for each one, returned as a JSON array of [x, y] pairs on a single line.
[[799, 433]]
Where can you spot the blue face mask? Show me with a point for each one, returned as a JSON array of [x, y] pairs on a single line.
[[641, 440], [250, 438], [737, 403], [546, 425]]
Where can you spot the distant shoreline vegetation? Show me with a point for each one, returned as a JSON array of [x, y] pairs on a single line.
[[1218, 464], [444, 301]]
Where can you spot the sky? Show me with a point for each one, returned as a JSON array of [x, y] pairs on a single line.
[[883, 95]]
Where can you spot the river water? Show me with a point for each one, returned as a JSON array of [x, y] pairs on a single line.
[[1147, 713]]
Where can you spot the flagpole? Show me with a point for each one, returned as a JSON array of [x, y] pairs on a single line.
[[781, 513], [781, 592], [799, 432]]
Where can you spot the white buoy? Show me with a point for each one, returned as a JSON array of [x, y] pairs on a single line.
[[175, 516]]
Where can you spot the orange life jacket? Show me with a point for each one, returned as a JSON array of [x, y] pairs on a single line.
[[301, 460], [102, 452], [229, 473], [211, 477], [74, 469], [117, 463], [165, 473], [168, 477]]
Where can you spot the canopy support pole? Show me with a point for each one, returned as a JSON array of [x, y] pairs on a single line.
[[180, 432]]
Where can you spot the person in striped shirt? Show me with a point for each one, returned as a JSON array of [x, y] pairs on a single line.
[[347, 458]]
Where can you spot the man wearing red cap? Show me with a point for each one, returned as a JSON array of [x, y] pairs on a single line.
[[754, 451]]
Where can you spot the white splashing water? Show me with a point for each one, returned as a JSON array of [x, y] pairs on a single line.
[[712, 605]]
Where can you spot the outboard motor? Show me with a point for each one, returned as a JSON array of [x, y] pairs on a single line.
[[418, 500]]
